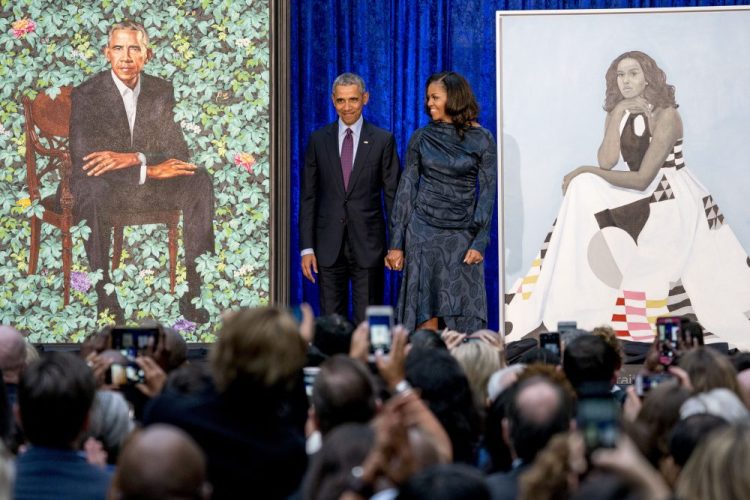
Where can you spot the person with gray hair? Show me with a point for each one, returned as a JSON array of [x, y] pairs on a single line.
[[350, 168], [110, 422], [12, 359]]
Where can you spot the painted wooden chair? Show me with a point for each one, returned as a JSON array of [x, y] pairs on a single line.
[[47, 130]]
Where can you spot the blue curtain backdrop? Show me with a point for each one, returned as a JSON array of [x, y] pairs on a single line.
[[395, 45]]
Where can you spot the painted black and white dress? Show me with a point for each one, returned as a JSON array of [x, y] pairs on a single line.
[[443, 208], [624, 257]]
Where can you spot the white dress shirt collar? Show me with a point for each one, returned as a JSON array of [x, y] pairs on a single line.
[[356, 131], [356, 127], [124, 88]]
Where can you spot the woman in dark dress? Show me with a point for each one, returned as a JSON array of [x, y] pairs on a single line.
[[441, 221]]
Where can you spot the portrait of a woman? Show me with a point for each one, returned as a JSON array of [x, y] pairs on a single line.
[[443, 211], [639, 238]]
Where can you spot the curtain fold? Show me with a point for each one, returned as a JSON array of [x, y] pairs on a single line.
[[395, 45]]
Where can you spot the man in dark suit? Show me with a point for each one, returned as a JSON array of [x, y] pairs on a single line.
[[351, 168], [538, 409], [55, 395], [128, 153]]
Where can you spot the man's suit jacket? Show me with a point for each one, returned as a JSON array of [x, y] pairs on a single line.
[[58, 474], [326, 209], [98, 122]]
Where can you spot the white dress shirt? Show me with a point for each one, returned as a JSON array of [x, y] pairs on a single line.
[[130, 101], [356, 132]]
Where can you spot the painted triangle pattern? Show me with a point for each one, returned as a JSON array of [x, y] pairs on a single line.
[[634, 315], [525, 286], [674, 159], [678, 304], [663, 191], [545, 245], [714, 217]]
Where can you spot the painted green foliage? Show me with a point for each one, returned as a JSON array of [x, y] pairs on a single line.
[[216, 53]]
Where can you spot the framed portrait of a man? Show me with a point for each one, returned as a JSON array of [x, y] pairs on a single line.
[[170, 121]]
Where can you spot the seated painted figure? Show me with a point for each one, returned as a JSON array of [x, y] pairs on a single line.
[[631, 245]]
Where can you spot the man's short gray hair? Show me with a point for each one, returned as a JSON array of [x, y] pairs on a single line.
[[129, 25], [348, 79]]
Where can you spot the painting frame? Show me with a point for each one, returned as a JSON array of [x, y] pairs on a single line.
[[517, 212]]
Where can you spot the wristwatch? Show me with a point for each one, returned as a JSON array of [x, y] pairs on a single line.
[[402, 387]]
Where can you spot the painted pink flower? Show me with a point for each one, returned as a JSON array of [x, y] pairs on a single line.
[[23, 27], [245, 160]]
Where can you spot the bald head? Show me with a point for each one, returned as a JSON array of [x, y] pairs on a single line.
[[538, 410], [161, 462], [539, 402], [12, 353]]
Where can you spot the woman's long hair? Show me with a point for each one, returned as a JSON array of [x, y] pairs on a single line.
[[461, 105], [658, 92]]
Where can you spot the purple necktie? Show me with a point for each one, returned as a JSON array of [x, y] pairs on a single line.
[[347, 152]]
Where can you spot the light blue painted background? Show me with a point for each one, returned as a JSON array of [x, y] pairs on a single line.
[[553, 86]]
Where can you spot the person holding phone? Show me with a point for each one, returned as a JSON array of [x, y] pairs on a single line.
[[443, 211]]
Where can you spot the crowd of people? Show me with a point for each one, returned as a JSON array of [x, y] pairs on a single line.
[[282, 409]]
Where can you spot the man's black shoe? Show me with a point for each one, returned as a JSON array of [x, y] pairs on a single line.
[[192, 312]]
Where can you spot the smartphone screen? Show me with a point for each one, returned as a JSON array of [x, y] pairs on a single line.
[[310, 373], [598, 421], [644, 383], [692, 333], [380, 319], [551, 342], [119, 374], [668, 328], [133, 342]]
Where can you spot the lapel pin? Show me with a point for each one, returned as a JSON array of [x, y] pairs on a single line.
[[365, 142]]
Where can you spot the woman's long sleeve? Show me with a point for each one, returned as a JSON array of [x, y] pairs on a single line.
[[487, 177], [406, 194]]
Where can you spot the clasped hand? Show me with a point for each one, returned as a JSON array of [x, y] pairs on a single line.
[[636, 105], [101, 162], [395, 259], [170, 168]]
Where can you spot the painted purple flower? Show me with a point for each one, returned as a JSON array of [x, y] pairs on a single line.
[[184, 325], [80, 281]]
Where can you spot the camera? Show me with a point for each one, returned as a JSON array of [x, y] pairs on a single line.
[[551, 342], [124, 374], [644, 383], [598, 419], [134, 342], [668, 328], [380, 319], [310, 373]]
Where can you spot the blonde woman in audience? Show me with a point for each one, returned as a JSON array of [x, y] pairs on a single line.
[[709, 370], [479, 361], [717, 470]]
